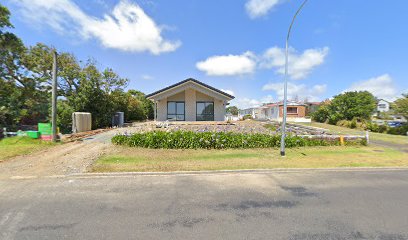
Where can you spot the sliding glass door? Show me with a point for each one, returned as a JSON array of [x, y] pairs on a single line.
[[176, 111], [205, 111]]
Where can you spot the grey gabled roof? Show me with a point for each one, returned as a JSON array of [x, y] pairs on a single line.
[[192, 80]]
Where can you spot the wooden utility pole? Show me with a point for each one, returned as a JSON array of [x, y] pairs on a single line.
[[54, 97]]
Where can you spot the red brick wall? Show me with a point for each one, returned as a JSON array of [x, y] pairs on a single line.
[[301, 111]]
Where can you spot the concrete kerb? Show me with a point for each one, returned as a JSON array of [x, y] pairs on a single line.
[[242, 171], [216, 172]]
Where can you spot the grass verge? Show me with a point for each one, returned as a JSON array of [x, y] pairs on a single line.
[[14, 146], [125, 159], [395, 139]]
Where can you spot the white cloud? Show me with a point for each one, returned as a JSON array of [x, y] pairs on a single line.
[[243, 103], [146, 77], [127, 27], [300, 64], [258, 8], [267, 99], [228, 65], [300, 91], [381, 87], [230, 92]]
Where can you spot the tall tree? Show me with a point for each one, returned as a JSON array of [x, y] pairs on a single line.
[[233, 110], [400, 106], [347, 106], [16, 104], [25, 84]]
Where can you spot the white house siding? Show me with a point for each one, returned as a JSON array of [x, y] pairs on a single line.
[[275, 112], [162, 110], [219, 110], [203, 97], [383, 106], [190, 96], [177, 97]]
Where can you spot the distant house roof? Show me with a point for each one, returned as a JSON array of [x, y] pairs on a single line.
[[382, 100], [313, 103], [190, 80], [292, 103]]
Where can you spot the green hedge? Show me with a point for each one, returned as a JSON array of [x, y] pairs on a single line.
[[214, 140]]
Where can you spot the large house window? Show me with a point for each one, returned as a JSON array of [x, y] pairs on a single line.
[[175, 111], [205, 111], [381, 105], [292, 110]]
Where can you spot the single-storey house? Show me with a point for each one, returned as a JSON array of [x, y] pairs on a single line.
[[190, 100], [296, 112], [253, 112]]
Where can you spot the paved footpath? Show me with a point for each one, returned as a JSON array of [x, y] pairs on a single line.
[[309, 204]]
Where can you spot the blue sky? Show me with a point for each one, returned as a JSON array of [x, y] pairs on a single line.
[[234, 45]]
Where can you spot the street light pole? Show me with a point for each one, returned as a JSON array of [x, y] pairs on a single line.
[[285, 87]]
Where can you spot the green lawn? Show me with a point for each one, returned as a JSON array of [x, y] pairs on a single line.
[[396, 139], [14, 146], [125, 159]]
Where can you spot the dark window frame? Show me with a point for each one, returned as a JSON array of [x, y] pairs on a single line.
[[204, 115], [297, 110], [175, 114]]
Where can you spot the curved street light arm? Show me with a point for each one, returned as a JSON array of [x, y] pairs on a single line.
[[285, 88]]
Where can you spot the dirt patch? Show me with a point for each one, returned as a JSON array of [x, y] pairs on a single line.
[[74, 157], [79, 136]]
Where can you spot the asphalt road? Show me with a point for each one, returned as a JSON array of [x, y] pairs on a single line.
[[270, 205]]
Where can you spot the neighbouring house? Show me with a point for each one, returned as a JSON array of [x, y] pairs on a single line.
[[190, 100], [231, 117], [383, 105], [253, 112], [296, 112]]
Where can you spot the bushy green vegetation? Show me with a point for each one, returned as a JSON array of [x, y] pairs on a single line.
[[400, 106], [25, 86], [354, 109], [247, 116], [373, 127], [215, 140], [232, 109], [346, 106]]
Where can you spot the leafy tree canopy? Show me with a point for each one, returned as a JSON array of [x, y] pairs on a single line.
[[25, 85], [233, 110], [400, 106], [347, 106]]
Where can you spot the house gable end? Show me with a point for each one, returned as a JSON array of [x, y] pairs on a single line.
[[175, 89]]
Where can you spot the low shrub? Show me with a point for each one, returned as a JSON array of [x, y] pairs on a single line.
[[272, 127], [374, 127], [215, 140], [247, 116], [353, 123], [402, 130], [343, 123]]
